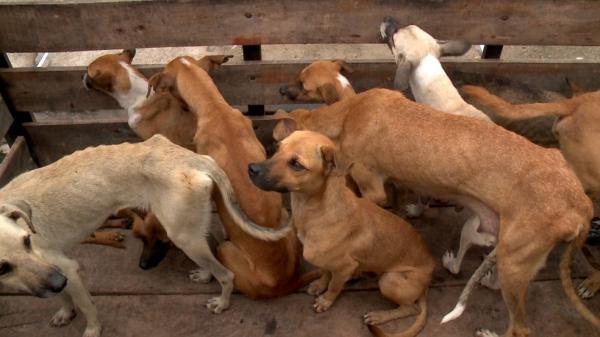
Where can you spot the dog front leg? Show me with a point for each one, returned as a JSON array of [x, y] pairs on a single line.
[[336, 284]]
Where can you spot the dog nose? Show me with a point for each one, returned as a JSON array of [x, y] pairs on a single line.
[[283, 90], [57, 282], [144, 264], [254, 170]]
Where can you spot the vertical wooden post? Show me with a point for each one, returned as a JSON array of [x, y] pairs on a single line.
[[253, 52], [492, 51]]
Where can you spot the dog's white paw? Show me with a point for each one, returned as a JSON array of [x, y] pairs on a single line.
[[63, 317], [485, 333], [490, 280], [588, 288], [217, 304], [414, 210], [376, 317], [94, 331], [322, 304], [200, 275], [449, 261]]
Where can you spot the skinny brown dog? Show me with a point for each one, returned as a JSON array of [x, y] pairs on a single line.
[[578, 132], [344, 235], [261, 269], [524, 194]]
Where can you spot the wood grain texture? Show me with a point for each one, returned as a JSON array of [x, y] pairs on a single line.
[[6, 119], [16, 162], [85, 25], [60, 89]]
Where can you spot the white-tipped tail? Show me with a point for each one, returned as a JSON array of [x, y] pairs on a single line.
[[454, 314]]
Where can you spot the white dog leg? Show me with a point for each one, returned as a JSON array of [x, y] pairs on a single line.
[[469, 236]]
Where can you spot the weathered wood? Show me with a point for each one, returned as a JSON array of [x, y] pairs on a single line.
[[5, 118], [85, 25], [16, 162], [60, 89]]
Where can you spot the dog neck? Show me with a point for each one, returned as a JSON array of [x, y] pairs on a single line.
[[203, 96], [346, 88], [136, 95], [333, 191]]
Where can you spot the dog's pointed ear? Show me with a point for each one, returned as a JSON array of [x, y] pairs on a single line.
[[333, 163], [344, 67], [161, 82], [18, 210], [129, 54], [211, 62], [329, 93], [401, 81], [285, 127], [453, 47]]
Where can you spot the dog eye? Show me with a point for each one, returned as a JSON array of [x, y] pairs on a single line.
[[27, 242], [295, 165], [4, 267]]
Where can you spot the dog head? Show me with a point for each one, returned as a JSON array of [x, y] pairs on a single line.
[[321, 81], [411, 44], [109, 74], [302, 163], [165, 81], [155, 240], [21, 266]]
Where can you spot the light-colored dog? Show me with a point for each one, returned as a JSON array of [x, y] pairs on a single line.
[[578, 133], [524, 194], [262, 269], [66, 201], [347, 235]]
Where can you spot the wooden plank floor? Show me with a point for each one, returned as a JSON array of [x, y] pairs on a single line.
[[163, 302]]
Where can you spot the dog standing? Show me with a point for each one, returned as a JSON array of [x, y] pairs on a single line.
[[509, 182], [344, 235]]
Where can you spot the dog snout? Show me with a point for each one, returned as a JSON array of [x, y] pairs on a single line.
[[388, 28], [86, 81], [56, 281], [283, 90], [255, 170]]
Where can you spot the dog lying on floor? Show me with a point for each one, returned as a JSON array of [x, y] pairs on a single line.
[[64, 202], [525, 195], [344, 235], [578, 133]]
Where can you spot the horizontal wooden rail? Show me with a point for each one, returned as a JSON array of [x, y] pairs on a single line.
[[86, 25], [61, 89]]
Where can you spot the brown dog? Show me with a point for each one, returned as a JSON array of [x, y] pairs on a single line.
[[344, 235], [524, 194], [261, 269], [578, 133]]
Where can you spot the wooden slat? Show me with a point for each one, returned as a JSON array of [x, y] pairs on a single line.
[[85, 25], [16, 162], [5, 118], [60, 89]]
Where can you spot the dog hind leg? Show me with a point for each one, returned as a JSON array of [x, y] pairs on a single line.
[[469, 236]]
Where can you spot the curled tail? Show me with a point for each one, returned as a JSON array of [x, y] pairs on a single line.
[[516, 111], [485, 266], [413, 330], [233, 207], [567, 282]]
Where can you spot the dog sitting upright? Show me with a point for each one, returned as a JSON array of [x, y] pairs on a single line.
[[344, 235], [66, 201]]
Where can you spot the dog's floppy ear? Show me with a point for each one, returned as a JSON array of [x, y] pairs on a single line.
[[329, 93], [211, 62], [129, 54], [18, 210], [344, 67], [453, 47], [161, 82], [285, 127], [334, 165], [402, 75]]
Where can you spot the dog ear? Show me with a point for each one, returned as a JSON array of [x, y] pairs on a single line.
[[334, 165], [18, 210], [129, 54], [329, 93], [344, 67], [453, 47], [211, 62], [285, 127], [161, 82], [402, 75]]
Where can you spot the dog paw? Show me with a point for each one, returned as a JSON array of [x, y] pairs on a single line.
[[62, 317], [316, 288], [485, 333], [490, 280], [376, 317], [414, 210], [588, 288], [200, 275], [322, 304], [92, 332], [449, 262], [217, 305], [118, 237]]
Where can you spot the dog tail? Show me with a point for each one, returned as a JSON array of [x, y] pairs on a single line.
[[233, 207], [516, 111], [567, 282], [460, 307], [413, 330]]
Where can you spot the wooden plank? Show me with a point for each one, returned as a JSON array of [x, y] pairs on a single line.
[[6, 119], [85, 25], [60, 89], [16, 162]]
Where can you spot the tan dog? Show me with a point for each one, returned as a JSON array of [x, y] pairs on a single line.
[[578, 132], [344, 235], [261, 269], [524, 194], [321, 81], [66, 201]]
